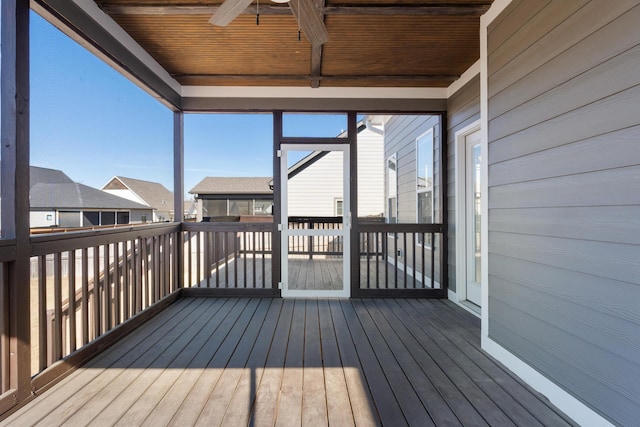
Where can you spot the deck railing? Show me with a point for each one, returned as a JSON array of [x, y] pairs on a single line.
[[315, 245], [7, 255], [84, 284], [90, 287], [400, 256], [227, 255]]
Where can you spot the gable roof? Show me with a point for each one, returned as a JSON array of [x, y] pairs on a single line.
[[153, 194], [233, 185], [53, 189]]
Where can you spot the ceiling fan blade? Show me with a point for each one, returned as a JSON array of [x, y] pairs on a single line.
[[228, 11], [310, 21]]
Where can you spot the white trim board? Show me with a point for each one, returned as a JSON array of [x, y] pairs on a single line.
[[465, 78], [308, 92], [460, 206], [578, 411]]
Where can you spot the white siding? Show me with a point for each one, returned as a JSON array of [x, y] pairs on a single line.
[[313, 191], [39, 219], [370, 174]]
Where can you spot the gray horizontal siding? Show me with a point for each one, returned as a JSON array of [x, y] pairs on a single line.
[[400, 139], [564, 174], [463, 109], [401, 133]]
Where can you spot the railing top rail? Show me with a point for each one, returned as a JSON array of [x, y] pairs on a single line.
[[316, 219], [228, 226], [364, 227], [60, 242]]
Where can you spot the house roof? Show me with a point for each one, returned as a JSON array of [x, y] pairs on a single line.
[[154, 194], [233, 185], [53, 189], [38, 175]]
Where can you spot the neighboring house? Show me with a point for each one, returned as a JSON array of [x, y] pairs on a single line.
[[315, 186], [57, 201], [225, 196], [190, 208], [152, 194]]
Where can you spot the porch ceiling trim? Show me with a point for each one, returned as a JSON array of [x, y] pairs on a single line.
[[314, 104], [263, 98], [308, 92]]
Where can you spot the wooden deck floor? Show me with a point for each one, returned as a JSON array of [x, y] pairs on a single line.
[[206, 361]]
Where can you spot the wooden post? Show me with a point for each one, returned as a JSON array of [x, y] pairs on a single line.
[[178, 193], [15, 186], [276, 254], [352, 133]]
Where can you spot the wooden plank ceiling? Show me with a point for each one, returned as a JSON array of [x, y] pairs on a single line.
[[372, 43]]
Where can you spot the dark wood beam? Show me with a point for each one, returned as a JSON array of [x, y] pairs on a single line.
[[316, 65], [316, 52], [406, 10]]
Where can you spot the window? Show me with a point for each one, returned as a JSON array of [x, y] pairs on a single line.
[[123, 218], [213, 208], [424, 180], [90, 218], [338, 207], [107, 218], [69, 219], [392, 190], [240, 207], [263, 207]]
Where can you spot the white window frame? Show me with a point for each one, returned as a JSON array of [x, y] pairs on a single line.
[[335, 206], [393, 157], [419, 191]]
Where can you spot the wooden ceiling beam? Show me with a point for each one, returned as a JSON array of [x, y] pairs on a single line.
[[407, 10], [316, 53]]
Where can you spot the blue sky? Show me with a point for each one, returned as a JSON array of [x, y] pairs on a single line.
[[92, 123]]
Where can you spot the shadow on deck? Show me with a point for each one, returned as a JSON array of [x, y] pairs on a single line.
[[253, 361]]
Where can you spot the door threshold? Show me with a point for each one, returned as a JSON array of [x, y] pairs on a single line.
[[471, 307]]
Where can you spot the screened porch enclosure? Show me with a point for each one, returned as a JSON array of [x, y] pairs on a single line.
[[66, 298]]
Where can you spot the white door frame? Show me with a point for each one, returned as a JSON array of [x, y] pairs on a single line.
[[460, 147], [345, 292]]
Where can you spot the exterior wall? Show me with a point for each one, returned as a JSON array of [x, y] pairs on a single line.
[[370, 174], [313, 191], [162, 216], [135, 216], [564, 173], [158, 215], [39, 219], [401, 132], [463, 109]]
